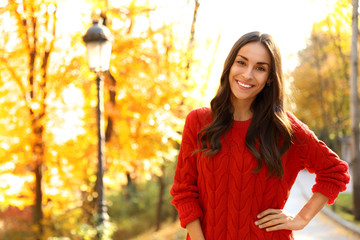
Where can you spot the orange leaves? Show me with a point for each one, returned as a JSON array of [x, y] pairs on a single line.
[[47, 89], [125, 133]]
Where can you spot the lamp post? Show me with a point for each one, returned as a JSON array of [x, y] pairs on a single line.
[[98, 44]]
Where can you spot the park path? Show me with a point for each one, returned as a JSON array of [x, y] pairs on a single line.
[[321, 227]]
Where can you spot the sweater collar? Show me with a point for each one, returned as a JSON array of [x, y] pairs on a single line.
[[241, 124]]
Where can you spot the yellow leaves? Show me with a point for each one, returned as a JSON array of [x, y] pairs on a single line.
[[4, 146], [152, 167], [118, 111], [13, 190], [84, 188], [151, 98], [125, 132], [321, 79], [92, 178]]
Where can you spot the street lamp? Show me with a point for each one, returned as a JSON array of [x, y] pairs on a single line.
[[98, 44]]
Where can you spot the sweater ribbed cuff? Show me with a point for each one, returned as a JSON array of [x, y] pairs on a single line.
[[189, 212], [329, 189]]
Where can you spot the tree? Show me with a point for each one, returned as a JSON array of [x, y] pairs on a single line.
[[354, 107], [326, 89], [50, 137], [38, 91], [149, 66], [36, 31], [320, 80]]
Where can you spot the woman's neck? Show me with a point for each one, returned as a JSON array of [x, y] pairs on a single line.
[[242, 116], [242, 110]]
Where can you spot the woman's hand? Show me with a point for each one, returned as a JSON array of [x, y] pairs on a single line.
[[278, 219]]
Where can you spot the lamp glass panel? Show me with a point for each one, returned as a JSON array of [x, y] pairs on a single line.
[[94, 55], [105, 55]]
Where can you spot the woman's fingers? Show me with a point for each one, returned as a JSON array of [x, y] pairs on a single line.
[[269, 211], [276, 228], [268, 216], [270, 223], [274, 219]]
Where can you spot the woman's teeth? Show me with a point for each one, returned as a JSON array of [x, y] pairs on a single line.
[[244, 85]]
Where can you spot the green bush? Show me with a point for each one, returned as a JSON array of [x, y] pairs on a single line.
[[133, 210], [344, 207]]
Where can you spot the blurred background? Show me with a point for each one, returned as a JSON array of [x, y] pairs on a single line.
[[166, 59]]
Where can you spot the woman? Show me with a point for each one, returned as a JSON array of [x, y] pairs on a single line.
[[239, 159]]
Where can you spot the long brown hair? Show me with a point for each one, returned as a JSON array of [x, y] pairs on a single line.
[[269, 134]]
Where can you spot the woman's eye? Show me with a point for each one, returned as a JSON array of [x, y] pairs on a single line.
[[261, 68], [241, 62]]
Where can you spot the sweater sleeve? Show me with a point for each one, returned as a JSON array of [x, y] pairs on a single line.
[[185, 189], [332, 173]]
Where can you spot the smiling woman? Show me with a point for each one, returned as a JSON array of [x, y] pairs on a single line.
[[239, 159]]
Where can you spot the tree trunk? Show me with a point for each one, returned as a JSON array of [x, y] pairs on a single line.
[[32, 26], [354, 111], [38, 207], [161, 199], [37, 128], [191, 40], [130, 187], [111, 82]]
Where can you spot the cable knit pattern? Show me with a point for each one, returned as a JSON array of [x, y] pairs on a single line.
[[225, 193]]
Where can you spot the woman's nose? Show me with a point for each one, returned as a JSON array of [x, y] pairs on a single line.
[[247, 74]]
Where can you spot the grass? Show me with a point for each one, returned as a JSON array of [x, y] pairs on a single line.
[[344, 207]]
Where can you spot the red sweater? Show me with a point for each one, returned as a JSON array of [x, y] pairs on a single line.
[[225, 193]]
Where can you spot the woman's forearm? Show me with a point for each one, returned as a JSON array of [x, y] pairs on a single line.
[[313, 206], [195, 231]]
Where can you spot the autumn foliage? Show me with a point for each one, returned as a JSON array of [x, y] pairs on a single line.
[[48, 131], [48, 145], [321, 80]]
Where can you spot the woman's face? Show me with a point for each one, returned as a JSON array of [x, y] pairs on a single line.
[[249, 72]]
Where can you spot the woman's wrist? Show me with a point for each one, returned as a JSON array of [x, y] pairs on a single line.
[[312, 207], [194, 230]]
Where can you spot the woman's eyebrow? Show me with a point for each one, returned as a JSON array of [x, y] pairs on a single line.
[[261, 63]]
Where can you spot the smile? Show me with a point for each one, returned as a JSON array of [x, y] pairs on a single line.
[[244, 85]]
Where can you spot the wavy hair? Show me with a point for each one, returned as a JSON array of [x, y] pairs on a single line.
[[269, 135]]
